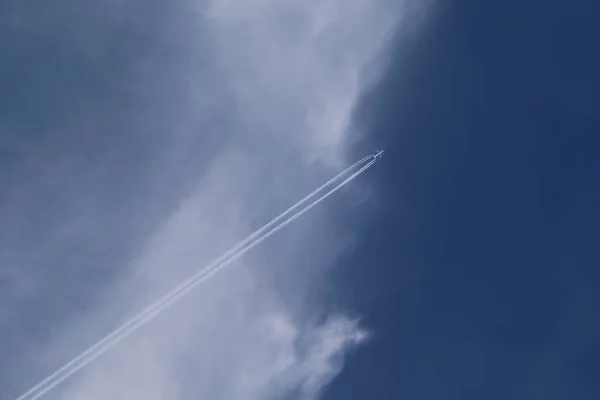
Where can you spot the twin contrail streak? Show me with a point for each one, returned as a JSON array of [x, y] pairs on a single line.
[[150, 312]]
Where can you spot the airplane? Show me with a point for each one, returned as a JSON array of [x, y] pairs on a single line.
[[378, 154]]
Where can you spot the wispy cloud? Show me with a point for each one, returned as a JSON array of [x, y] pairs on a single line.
[[228, 110]]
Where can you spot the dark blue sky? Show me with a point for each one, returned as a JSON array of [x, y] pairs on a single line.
[[479, 267]]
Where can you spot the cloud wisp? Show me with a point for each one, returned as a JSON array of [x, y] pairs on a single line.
[[179, 127]]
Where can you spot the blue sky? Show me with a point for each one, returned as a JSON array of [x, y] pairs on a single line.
[[478, 265], [140, 139]]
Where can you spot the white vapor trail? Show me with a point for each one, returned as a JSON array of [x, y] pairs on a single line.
[[150, 312]]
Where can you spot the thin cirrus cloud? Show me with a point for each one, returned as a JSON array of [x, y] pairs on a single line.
[[179, 127]]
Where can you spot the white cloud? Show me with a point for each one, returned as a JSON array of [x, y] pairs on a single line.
[[295, 67], [277, 80]]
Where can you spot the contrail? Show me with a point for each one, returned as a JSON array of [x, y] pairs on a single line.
[[116, 336], [166, 301], [214, 263]]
